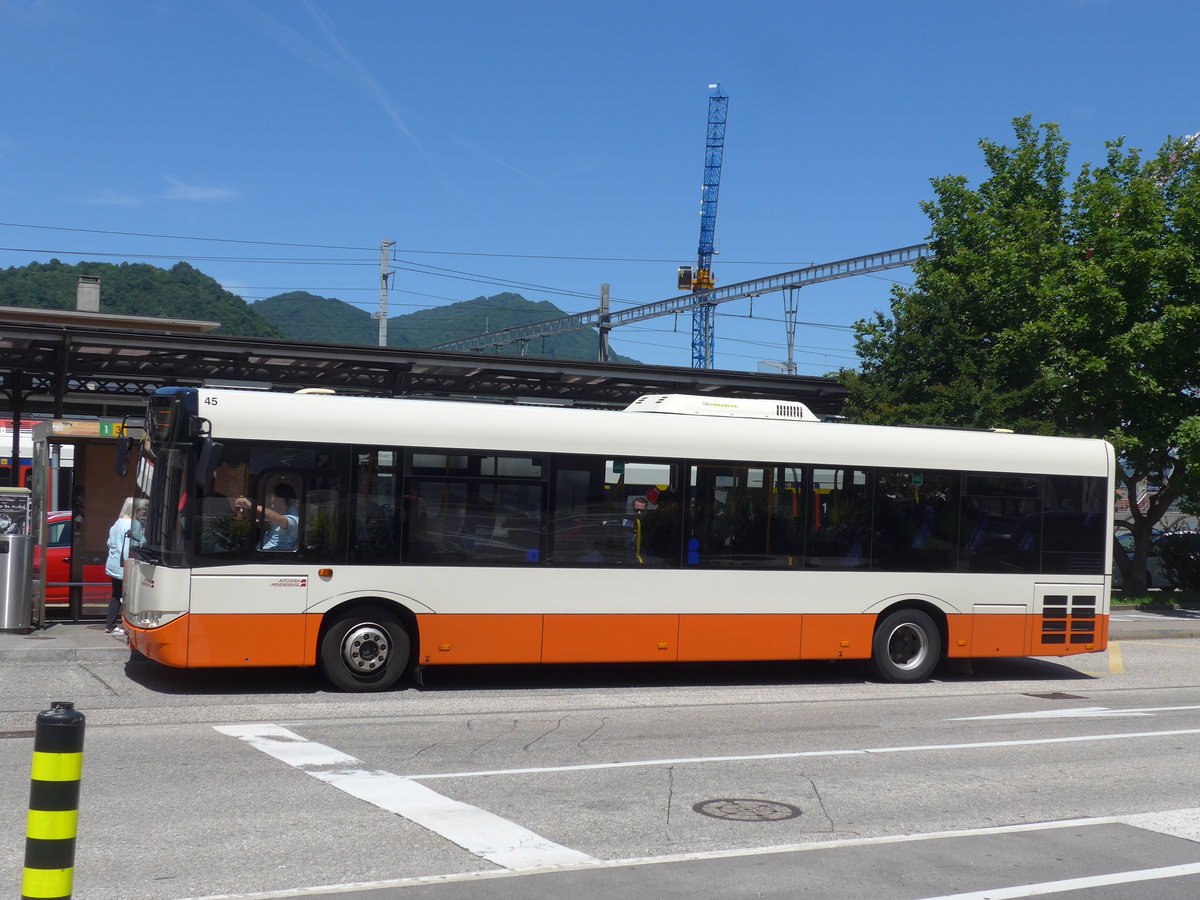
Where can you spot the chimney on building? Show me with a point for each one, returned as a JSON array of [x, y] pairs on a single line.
[[87, 293]]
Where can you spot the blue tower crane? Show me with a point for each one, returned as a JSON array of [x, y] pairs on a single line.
[[702, 282]]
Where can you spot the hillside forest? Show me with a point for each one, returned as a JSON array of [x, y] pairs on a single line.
[[184, 292]]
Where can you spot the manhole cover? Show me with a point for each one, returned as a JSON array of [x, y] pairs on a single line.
[[744, 810]]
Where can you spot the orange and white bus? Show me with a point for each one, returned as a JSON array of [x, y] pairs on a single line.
[[371, 537]]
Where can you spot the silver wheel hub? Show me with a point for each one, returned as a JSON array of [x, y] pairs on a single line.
[[365, 649], [907, 646]]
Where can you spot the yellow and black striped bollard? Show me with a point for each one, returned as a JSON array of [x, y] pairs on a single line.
[[53, 803]]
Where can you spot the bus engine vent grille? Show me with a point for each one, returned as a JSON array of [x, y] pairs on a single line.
[[1069, 619]]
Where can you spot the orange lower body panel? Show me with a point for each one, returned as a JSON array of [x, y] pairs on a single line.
[[214, 641], [584, 638], [467, 640], [837, 637], [202, 641], [998, 635], [708, 638]]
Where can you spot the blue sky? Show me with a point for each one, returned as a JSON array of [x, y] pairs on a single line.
[[556, 145]]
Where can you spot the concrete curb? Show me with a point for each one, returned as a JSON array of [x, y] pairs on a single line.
[[69, 641], [1154, 635], [34, 657]]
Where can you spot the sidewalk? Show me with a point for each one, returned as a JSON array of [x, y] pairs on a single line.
[[87, 640], [81, 641]]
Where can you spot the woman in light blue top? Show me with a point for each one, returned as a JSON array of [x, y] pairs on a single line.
[[114, 566]]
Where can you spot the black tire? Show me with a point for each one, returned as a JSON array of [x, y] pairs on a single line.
[[365, 650], [907, 646]]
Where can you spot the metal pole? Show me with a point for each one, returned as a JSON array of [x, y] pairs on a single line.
[[791, 302], [605, 328], [15, 396], [383, 291]]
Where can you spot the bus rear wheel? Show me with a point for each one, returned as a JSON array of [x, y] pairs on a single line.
[[907, 646], [364, 650]]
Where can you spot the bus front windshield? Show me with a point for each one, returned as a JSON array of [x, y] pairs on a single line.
[[162, 485]]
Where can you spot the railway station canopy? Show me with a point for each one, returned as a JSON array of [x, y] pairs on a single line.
[[73, 364]]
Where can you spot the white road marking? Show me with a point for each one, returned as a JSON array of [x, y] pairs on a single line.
[[866, 751], [1079, 712], [476, 830], [1075, 884], [1178, 823]]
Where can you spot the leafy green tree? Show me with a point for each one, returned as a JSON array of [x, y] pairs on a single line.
[[1057, 309]]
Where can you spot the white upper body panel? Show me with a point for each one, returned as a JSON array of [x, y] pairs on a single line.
[[314, 418]]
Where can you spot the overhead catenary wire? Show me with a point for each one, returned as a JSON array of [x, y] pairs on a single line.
[[479, 253], [416, 267]]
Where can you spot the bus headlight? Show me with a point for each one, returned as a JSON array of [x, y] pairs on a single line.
[[155, 618]]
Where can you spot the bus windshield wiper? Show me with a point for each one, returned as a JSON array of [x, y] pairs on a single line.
[[147, 554]]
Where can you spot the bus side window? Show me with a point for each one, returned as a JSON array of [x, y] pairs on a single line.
[[435, 516], [615, 512], [1001, 523], [839, 519], [374, 528], [1074, 525], [474, 521], [323, 515], [916, 521], [733, 522]]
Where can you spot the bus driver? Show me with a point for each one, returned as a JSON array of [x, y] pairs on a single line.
[[281, 515]]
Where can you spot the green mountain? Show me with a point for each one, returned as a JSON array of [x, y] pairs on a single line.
[[323, 320], [183, 292], [307, 317], [136, 289]]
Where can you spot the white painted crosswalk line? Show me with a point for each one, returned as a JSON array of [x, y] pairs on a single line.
[[1076, 884], [476, 830]]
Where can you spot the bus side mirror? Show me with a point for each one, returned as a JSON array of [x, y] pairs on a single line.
[[210, 456], [124, 449]]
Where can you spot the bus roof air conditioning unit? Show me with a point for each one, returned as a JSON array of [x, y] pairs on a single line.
[[692, 405]]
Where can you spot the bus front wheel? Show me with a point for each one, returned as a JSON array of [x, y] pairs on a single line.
[[907, 646], [365, 650]]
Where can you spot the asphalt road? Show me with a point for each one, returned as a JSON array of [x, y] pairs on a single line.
[[1009, 778]]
